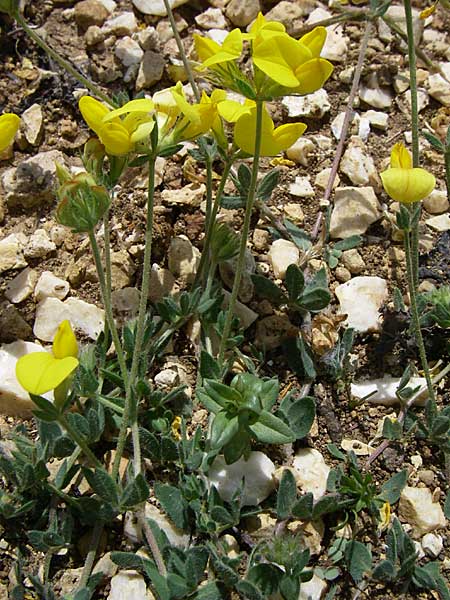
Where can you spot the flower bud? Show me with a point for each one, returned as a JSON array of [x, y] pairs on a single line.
[[82, 203]]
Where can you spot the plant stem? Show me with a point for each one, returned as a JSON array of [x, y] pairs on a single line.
[[208, 192], [67, 66], [447, 170], [106, 297], [416, 319], [139, 341], [62, 420], [89, 562], [184, 58], [244, 232], [415, 132], [153, 545]]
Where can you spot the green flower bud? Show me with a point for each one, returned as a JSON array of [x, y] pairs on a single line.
[[82, 203]]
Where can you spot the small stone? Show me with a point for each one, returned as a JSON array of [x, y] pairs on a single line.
[[423, 100], [257, 473], [438, 87], [246, 315], [156, 7], [294, 212], [323, 177], [128, 51], [151, 70], [432, 544], [359, 448], [355, 209], [14, 400], [384, 391], [212, 18], [436, 203], [126, 302], [50, 312], [361, 299], [397, 14], [357, 165], [232, 547], [11, 253], [342, 274], [162, 284], [22, 286], [167, 379], [261, 239], [147, 38], [90, 12], [374, 95], [50, 286], [189, 195], [122, 269], [122, 25], [426, 476], [300, 151], [31, 124], [313, 106], [12, 325], [312, 471], [94, 35], [352, 260], [271, 331], [337, 124], [314, 589], [335, 47], [439, 222], [417, 508], [183, 259], [227, 270], [283, 253], [128, 584], [301, 188], [287, 13], [39, 245], [106, 566], [242, 12], [377, 119], [133, 531]]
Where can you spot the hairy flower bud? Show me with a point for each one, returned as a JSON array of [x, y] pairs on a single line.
[[82, 203]]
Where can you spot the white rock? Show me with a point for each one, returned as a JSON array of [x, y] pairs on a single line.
[[151, 70], [359, 448], [106, 566], [423, 99], [167, 378], [314, 589], [419, 550], [438, 87], [133, 531], [189, 195], [374, 95], [323, 177], [383, 391], [39, 245], [110, 5], [14, 400], [397, 14], [361, 299], [312, 471], [364, 129], [300, 151], [377, 119], [122, 25], [283, 253], [353, 261], [11, 252], [357, 165], [336, 44], [417, 508], [314, 105], [22, 286], [212, 18], [128, 51], [301, 187], [338, 122], [128, 584], [355, 209], [242, 12], [50, 286], [294, 212], [31, 124], [432, 544], [183, 259], [217, 35], [156, 7], [88, 318], [436, 203], [439, 222], [257, 472]]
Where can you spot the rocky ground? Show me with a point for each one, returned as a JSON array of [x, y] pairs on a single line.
[[48, 274]]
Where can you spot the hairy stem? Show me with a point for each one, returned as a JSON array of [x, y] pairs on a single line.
[[62, 420], [151, 541], [90, 558]]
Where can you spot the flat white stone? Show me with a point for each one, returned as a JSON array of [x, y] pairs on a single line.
[[133, 531], [128, 584], [258, 474], [355, 209], [314, 105], [314, 589], [439, 222], [50, 286], [417, 508], [438, 87], [301, 187], [189, 195], [374, 95], [432, 544], [358, 165], [300, 151], [122, 25], [31, 124], [359, 448], [22, 286], [283, 253], [377, 119], [337, 124], [14, 400], [183, 258], [437, 202], [128, 51], [361, 299], [88, 318], [156, 7], [312, 471], [39, 245], [211, 18], [11, 253]]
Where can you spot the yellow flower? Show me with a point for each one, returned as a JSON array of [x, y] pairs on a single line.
[[9, 124], [273, 140], [176, 428], [211, 53], [385, 516], [290, 63], [403, 182], [119, 135], [40, 372], [261, 26]]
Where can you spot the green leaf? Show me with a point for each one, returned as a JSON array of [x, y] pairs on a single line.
[[136, 491], [173, 503], [219, 394], [48, 412], [266, 288], [391, 489], [299, 357], [248, 590], [299, 237], [223, 429], [392, 430], [385, 571], [348, 243], [303, 508], [102, 484], [434, 141], [267, 185], [266, 577], [334, 451], [358, 557], [294, 282], [299, 414], [447, 506], [315, 300], [269, 429], [326, 504], [286, 495]]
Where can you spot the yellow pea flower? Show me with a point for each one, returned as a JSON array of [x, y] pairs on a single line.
[[273, 139], [40, 372], [403, 182], [292, 64], [261, 26], [119, 135], [9, 124], [211, 53]]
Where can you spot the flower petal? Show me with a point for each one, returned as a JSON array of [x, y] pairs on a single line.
[[279, 56], [231, 110], [231, 49], [400, 157], [408, 185], [286, 135], [312, 75], [314, 40], [40, 372], [116, 139], [143, 105], [142, 131], [9, 124], [93, 112], [65, 343]]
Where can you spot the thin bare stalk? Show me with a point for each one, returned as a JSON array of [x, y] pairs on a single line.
[[90, 558]]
